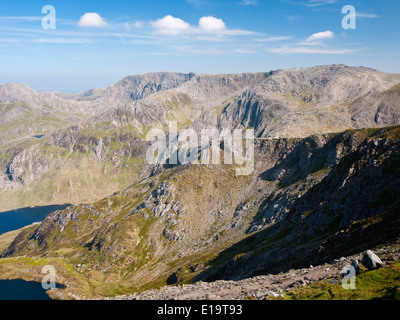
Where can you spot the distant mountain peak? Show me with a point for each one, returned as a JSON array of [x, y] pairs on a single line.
[[136, 87]]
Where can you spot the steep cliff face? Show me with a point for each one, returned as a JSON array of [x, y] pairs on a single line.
[[184, 103], [134, 88], [302, 102], [352, 208], [204, 223]]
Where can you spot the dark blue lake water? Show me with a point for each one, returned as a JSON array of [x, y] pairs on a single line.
[[22, 290], [16, 219], [13, 220]]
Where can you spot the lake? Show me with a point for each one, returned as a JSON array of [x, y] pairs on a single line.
[[19, 218], [22, 290], [13, 220]]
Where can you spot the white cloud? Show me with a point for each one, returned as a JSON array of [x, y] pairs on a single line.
[[245, 51], [317, 3], [270, 39], [27, 18], [308, 50], [367, 15], [233, 32], [92, 19], [311, 3], [312, 45], [61, 41], [321, 35], [211, 24], [207, 26], [171, 25]]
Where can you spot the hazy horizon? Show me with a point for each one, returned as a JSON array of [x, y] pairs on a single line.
[[128, 75], [96, 44]]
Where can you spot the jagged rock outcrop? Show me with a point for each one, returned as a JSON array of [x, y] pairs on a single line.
[[184, 103], [26, 167], [302, 102], [134, 88]]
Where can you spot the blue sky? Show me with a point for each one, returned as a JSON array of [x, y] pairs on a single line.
[[96, 43]]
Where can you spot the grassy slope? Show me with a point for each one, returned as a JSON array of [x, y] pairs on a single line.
[[7, 238], [378, 284]]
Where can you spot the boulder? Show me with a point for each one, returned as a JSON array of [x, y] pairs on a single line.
[[371, 260]]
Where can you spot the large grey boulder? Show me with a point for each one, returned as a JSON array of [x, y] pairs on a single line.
[[371, 260]]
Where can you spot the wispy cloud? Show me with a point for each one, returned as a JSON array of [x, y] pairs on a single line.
[[271, 39], [317, 3], [245, 51], [308, 50], [312, 45], [22, 18], [211, 35], [61, 41], [312, 3], [238, 32], [367, 15]]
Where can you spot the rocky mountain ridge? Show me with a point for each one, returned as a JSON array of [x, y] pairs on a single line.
[[325, 175], [302, 102], [110, 133]]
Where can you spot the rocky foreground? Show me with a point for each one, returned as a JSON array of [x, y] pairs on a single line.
[[272, 286]]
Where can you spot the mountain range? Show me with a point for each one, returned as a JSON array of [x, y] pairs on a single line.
[[325, 182]]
